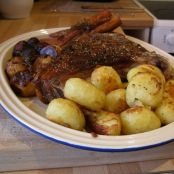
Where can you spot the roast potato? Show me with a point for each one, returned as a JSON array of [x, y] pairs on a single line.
[[138, 120], [145, 68], [145, 87], [169, 89], [116, 101], [84, 93], [103, 122], [165, 111], [124, 86], [106, 79], [66, 113]]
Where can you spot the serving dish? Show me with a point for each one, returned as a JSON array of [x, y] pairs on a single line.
[[30, 112]]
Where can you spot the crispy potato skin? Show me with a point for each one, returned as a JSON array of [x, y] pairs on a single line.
[[84, 93], [66, 113], [138, 120], [106, 79], [125, 84], [145, 87], [111, 108], [145, 68], [103, 122], [165, 111], [169, 89], [116, 101]]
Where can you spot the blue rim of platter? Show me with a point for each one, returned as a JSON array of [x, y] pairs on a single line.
[[85, 147]]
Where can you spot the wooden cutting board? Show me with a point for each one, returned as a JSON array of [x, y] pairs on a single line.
[[20, 149], [132, 14], [69, 6]]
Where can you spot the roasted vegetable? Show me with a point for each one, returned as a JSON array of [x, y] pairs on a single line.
[[35, 43], [15, 65], [103, 122], [138, 120], [29, 55], [169, 89], [145, 68], [19, 47], [22, 84], [66, 113], [42, 63], [165, 111], [49, 51], [116, 101], [145, 87], [106, 79], [84, 93]]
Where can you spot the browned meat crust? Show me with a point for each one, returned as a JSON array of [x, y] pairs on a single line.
[[100, 23], [89, 51], [20, 70]]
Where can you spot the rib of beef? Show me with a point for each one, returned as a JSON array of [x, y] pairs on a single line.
[[89, 51]]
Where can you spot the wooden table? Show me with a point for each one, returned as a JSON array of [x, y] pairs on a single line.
[[22, 150], [40, 18]]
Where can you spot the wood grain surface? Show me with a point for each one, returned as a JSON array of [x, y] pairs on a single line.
[[21, 149], [40, 19], [131, 168]]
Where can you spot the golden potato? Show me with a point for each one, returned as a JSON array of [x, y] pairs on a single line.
[[145, 87], [125, 85], [138, 120], [145, 68], [169, 89], [84, 93], [66, 113], [116, 101], [165, 111], [103, 122], [106, 79]]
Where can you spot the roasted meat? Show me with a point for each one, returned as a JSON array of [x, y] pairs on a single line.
[[42, 66], [35, 55], [100, 23], [88, 51]]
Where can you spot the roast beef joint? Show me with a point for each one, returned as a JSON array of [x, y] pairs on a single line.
[[41, 66]]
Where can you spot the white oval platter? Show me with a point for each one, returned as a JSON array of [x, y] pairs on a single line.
[[30, 112]]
